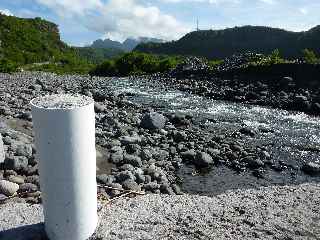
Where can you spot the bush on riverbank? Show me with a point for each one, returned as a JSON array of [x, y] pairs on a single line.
[[135, 63], [310, 57], [7, 66]]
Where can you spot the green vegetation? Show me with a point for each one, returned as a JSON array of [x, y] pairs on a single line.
[[135, 63], [219, 44], [97, 55], [310, 57], [271, 59], [7, 66], [215, 63], [25, 41], [34, 44], [69, 63]]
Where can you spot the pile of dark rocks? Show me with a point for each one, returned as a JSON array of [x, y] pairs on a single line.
[[237, 61], [189, 66]]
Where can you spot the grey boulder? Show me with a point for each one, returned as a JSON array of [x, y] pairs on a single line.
[[153, 121]]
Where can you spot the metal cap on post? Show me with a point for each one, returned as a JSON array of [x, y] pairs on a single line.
[[64, 127]]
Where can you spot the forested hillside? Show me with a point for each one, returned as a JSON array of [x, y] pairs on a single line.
[[30, 40], [224, 43]]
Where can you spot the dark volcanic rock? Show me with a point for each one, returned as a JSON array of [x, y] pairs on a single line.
[[153, 121], [202, 160], [16, 163], [311, 168]]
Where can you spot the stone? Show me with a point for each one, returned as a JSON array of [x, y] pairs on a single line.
[[133, 149], [28, 187], [35, 179], [116, 157], [105, 179], [203, 160], [16, 163], [152, 186], [26, 116], [179, 136], [166, 189], [153, 121], [98, 108], [24, 150], [2, 154], [188, 155], [247, 131], [311, 168], [16, 179], [253, 162], [133, 160], [8, 188], [161, 155], [145, 154], [9, 172], [129, 184], [176, 189], [125, 140], [316, 108], [140, 178], [124, 175]]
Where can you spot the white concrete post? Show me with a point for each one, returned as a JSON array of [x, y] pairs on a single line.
[[64, 127]]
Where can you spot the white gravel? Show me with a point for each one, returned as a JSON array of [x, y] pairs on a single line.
[[61, 101], [289, 212]]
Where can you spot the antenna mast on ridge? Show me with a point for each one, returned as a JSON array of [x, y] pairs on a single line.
[[198, 24]]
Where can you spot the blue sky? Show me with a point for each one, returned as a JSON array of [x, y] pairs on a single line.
[[83, 21]]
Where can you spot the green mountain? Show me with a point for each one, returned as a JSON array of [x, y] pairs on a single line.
[[224, 43], [24, 41], [97, 55], [128, 45]]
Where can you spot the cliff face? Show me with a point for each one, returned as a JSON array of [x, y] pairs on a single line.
[[29, 40], [224, 43]]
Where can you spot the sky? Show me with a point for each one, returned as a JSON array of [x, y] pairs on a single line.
[[83, 21]]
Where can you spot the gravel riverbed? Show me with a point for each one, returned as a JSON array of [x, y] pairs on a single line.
[[154, 138], [289, 212]]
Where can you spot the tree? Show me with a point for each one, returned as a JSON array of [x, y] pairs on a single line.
[[310, 57]]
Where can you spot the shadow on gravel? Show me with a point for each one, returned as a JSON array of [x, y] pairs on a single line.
[[28, 232]]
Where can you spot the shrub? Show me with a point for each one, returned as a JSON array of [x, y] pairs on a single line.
[[135, 63], [7, 66], [310, 57]]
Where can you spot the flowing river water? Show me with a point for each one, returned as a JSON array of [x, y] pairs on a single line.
[[291, 137]]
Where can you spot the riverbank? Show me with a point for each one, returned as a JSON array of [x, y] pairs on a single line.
[[267, 213], [291, 86]]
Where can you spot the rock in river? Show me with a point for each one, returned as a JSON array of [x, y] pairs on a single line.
[[311, 168], [203, 160]]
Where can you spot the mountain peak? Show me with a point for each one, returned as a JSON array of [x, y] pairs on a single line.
[[128, 45]]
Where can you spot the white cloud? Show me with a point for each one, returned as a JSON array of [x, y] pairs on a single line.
[[304, 11], [119, 19], [71, 7], [203, 1], [6, 12], [268, 1]]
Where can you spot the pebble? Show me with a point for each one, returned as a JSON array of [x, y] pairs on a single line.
[[28, 187], [16, 179], [8, 188]]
